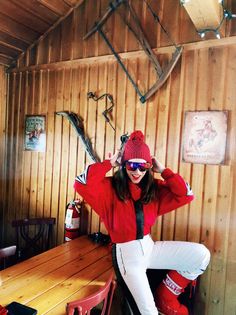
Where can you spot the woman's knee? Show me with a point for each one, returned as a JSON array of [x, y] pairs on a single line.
[[204, 256], [201, 259]]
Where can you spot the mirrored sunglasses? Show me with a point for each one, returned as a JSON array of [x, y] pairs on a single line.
[[133, 166]]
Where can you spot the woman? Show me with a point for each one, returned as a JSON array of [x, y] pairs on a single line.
[[128, 204]]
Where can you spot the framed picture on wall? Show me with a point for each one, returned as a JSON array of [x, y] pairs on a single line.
[[35, 133], [204, 137]]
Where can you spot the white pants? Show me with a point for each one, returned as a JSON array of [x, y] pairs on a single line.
[[133, 258]]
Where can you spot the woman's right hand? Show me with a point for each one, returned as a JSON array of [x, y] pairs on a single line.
[[113, 158]]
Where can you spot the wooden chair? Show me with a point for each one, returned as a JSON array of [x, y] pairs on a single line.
[[33, 236], [5, 253], [85, 305]]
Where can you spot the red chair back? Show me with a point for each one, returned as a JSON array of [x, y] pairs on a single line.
[[84, 306]]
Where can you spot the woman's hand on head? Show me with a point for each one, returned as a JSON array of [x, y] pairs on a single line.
[[113, 158], [157, 166]]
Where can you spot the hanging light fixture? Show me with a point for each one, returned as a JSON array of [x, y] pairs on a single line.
[[225, 14], [184, 1]]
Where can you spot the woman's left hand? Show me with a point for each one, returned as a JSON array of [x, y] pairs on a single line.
[[157, 166]]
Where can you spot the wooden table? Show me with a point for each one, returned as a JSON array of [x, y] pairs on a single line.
[[65, 273]]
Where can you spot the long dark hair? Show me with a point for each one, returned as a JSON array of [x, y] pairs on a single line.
[[120, 183]]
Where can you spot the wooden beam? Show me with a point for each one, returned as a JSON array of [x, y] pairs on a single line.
[[22, 16], [59, 7], [228, 41], [204, 14], [8, 51], [16, 29], [4, 60], [4, 44], [79, 2], [41, 12], [13, 42], [73, 3]]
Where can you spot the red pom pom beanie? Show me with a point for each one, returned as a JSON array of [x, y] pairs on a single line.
[[136, 148]]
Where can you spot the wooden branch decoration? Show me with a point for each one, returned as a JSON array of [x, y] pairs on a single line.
[[77, 124]]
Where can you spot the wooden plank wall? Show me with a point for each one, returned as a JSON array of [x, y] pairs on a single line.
[[3, 113], [50, 78]]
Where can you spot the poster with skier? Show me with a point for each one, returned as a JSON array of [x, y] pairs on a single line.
[[204, 138], [35, 134]]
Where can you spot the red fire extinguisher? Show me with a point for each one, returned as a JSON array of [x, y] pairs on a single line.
[[72, 220], [3, 310]]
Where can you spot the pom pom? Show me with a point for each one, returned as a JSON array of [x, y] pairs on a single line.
[[137, 137]]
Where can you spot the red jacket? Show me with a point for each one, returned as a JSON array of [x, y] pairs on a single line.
[[118, 216]]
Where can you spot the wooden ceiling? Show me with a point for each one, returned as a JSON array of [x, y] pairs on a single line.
[[23, 22]]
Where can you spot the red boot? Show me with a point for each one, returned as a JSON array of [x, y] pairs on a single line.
[[167, 294]]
